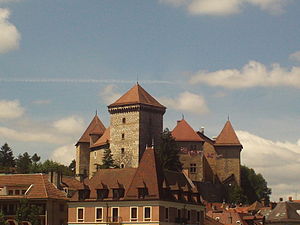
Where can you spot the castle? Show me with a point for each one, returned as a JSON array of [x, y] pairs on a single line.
[[136, 121]]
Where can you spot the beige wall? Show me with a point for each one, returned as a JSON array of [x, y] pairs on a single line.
[[82, 158], [96, 157]]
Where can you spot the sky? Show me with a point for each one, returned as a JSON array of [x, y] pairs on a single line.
[[208, 60]]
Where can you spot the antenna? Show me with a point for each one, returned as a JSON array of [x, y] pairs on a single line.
[[182, 116], [228, 117], [137, 78], [96, 112]]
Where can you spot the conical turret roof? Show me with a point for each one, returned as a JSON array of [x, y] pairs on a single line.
[[136, 95], [227, 136], [184, 132], [95, 127]]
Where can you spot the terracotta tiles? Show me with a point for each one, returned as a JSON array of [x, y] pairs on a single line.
[[103, 140], [227, 136], [184, 132], [95, 127], [136, 95]]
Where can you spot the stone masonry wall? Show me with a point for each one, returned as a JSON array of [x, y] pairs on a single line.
[[82, 158], [96, 157], [228, 163], [130, 142]]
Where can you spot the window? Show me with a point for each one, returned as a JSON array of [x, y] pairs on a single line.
[[133, 213], [122, 151], [80, 214], [10, 192], [115, 214], [99, 214], [102, 193], [17, 192], [123, 136], [188, 215], [198, 216], [167, 214], [179, 213], [118, 193], [147, 213], [122, 165], [193, 168], [142, 192], [95, 154], [123, 120]]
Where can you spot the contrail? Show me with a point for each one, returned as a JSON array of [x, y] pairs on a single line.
[[109, 81]]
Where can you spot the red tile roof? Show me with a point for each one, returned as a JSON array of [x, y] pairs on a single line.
[[228, 136], [184, 132], [103, 140], [95, 127], [37, 185], [136, 95]]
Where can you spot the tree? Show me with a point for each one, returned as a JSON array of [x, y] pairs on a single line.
[[6, 157], [23, 163], [168, 152], [253, 188], [107, 161], [50, 165], [72, 166], [28, 212], [2, 219], [35, 158], [254, 185]]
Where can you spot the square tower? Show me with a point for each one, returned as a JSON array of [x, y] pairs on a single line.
[[136, 121]]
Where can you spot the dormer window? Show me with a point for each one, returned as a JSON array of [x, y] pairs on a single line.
[[102, 193], [118, 193], [83, 194], [142, 192]]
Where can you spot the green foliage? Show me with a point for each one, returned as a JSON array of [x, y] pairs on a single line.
[[2, 219], [168, 152], [23, 163], [6, 156], [50, 165], [28, 212], [108, 161], [253, 188], [72, 166]]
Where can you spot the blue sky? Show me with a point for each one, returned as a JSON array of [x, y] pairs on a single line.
[[206, 59]]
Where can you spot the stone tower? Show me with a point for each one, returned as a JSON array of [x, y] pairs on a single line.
[[94, 131], [136, 121], [228, 149]]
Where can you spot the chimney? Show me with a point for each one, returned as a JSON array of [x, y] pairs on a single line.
[[79, 177], [280, 199], [178, 121], [290, 199], [55, 178], [202, 130], [214, 138]]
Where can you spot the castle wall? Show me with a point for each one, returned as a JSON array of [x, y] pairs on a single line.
[[130, 142], [228, 162], [82, 158], [193, 164], [96, 158]]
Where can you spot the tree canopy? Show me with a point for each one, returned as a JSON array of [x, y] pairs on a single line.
[[107, 161], [253, 188], [6, 156], [168, 152]]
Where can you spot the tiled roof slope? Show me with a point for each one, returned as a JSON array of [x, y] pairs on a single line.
[[104, 139], [285, 211], [184, 132], [95, 127], [149, 174], [136, 95], [40, 186], [228, 136], [72, 183]]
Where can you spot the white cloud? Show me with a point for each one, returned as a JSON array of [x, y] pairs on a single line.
[[69, 125], [187, 102], [31, 136], [278, 162], [295, 56], [253, 74], [109, 94], [10, 37], [226, 7], [64, 154], [10, 109]]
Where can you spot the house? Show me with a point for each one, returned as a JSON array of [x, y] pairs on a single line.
[[146, 194]]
